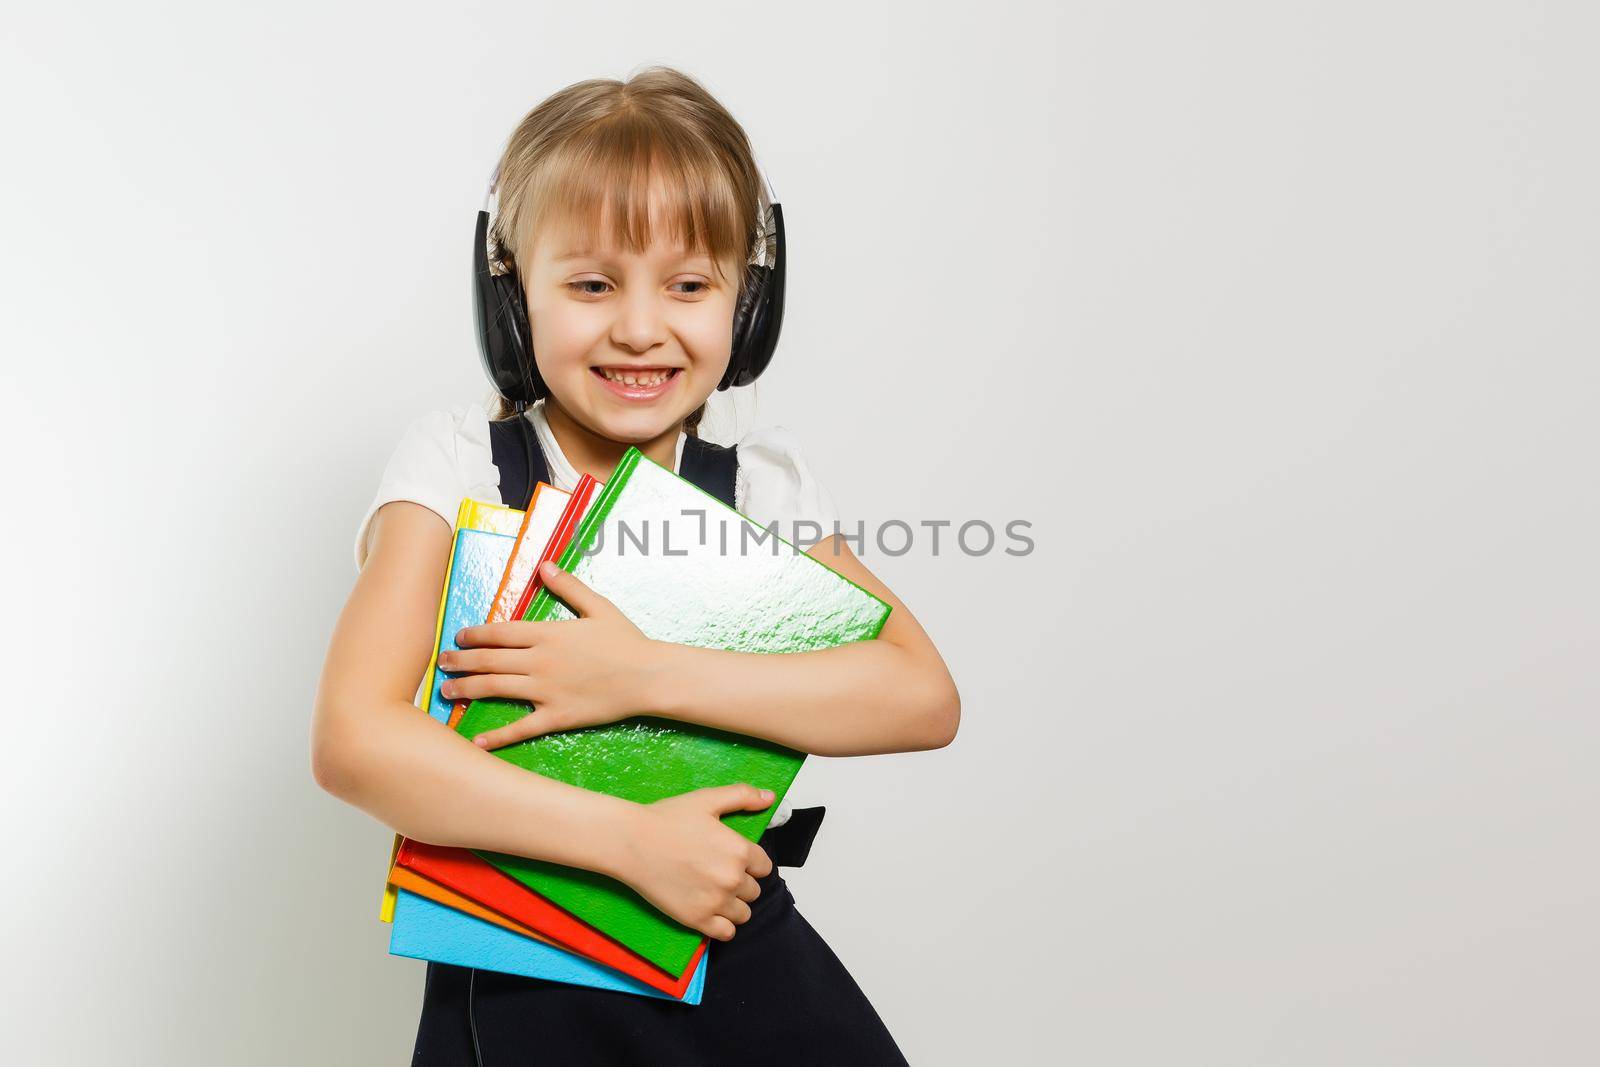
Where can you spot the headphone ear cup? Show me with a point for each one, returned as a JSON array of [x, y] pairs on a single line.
[[743, 316], [519, 330], [505, 342], [759, 316]]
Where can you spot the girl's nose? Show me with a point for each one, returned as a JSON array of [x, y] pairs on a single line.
[[641, 324]]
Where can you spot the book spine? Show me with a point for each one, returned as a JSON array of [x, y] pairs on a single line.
[[560, 538], [544, 604], [576, 502]]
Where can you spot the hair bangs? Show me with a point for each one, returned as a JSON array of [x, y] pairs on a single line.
[[604, 182]]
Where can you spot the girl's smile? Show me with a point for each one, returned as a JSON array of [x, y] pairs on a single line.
[[636, 384]]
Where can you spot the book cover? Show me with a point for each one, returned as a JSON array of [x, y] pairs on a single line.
[[685, 568], [476, 564], [411, 882]]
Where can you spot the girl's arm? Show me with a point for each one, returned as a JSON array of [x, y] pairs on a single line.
[[376, 750], [892, 694]]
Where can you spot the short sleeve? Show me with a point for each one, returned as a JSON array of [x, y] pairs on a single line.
[[775, 485], [442, 456]]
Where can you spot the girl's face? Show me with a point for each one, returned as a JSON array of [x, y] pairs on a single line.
[[628, 343]]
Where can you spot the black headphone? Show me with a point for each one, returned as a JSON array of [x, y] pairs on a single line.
[[505, 339]]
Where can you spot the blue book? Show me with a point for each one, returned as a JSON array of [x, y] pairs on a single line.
[[426, 930]]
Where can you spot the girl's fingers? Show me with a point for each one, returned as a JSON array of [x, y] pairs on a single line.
[[479, 686], [718, 927], [570, 588], [485, 661], [748, 890], [536, 723], [509, 734], [738, 911], [513, 633], [760, 863]]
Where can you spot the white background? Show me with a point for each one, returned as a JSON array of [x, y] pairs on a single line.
[[1277, 320]]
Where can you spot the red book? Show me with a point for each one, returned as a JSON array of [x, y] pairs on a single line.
[[461, 870]]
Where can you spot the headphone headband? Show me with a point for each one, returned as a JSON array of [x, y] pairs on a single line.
[[505, 337]]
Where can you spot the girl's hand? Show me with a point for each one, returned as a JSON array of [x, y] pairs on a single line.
[[586, 671], [687, 862]]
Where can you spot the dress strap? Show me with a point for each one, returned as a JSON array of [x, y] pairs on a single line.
[[790, 844], [519, 459], [713, 468], [522, 465]]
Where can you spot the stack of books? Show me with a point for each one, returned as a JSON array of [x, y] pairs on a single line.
[[684, 568]]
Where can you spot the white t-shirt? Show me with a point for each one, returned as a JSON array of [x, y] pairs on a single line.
[[445, 455]]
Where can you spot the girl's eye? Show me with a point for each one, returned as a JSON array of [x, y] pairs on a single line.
[[581, 286]]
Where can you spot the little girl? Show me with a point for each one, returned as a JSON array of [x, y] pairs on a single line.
[[629, 213]]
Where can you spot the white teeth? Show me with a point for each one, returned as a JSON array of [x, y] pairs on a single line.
[[630, 378]]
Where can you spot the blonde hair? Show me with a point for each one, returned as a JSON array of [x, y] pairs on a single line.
[[590, 150]]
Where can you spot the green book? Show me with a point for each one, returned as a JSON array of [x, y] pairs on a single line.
[[687, 569]]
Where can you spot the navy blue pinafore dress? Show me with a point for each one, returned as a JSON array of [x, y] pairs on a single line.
[[775, 994]]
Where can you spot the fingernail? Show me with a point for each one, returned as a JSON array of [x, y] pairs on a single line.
[[548, 568], [447, 689], [766, 794], [481, 742]]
